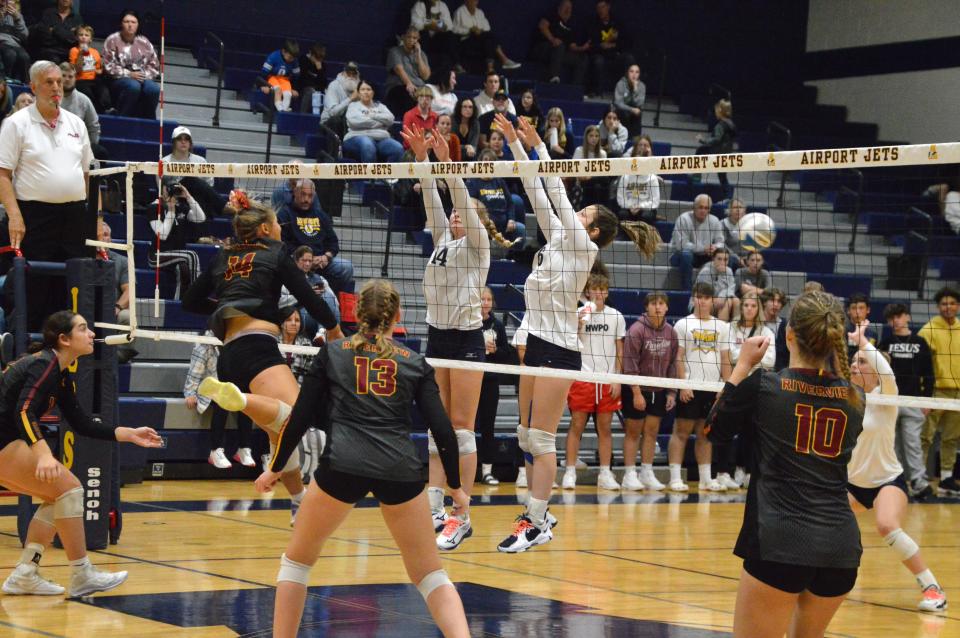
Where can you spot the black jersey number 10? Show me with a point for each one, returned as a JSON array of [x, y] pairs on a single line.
[[820, 430], [384, 383]]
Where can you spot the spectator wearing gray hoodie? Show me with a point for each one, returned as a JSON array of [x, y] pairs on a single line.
[[628, 98], [368, 135], [696, 235], [613, 134], [340, 94]]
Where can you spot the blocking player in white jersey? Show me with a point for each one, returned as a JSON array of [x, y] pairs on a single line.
[[560, 271], [703, 355], [602, 330], [875, 478]]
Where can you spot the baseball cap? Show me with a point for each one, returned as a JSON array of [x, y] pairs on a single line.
[[181, 130], [500, 95], [351, 66]]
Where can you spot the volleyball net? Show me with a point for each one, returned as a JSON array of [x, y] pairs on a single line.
[[869, 225]]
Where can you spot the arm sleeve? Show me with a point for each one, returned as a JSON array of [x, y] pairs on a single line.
[[162, 229], [195, 214], [436, 219], [151, 63], [197, 297], [428, 401], [111, 58], [476, 233], [632, 347], [537, 193], [332, 107], [78, 418], [734, 409], [31, 404], [10, 144], [292, 277], [307, 411]]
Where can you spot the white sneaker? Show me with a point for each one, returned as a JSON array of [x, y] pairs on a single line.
[[678, 486], [522, 477], [440, 518], [933, 599], [219, 460], [510, 65], [631, 482], [580, 464], [21, 584], [738, 477], [454, 532], [713, 485], [91, 580], [650, 481], [244, 457], [727, 481], [551, 520], [569, 479], [606, 481]]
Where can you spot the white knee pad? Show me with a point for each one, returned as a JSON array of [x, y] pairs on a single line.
[[432, 444], [431, 581], [293, 572], [45, 514], [466, 442], [901, 543], [292, 464], [69, 504], [523, 441], [282, 415], [542, 442]]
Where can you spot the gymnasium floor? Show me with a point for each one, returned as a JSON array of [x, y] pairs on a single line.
[[203, 557]]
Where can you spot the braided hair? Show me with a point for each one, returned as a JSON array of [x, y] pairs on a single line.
[[492, 231], [378, 304], [644, 236]]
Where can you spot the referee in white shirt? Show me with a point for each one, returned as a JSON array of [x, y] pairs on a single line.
[[45, 157]]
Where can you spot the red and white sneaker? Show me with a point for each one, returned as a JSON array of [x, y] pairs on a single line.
[[218, 459], [454, 532], [933, 599]]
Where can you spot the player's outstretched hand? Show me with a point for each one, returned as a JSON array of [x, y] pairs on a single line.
[[528, 134], [144, 437], [414, 137], [440, 146], [509, 133], [266, 481]]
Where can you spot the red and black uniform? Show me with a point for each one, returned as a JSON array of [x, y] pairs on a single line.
[[362, 400], [798, 531], [30, 387]]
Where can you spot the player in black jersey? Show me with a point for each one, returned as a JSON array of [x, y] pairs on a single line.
[[241, 293], [30, 387], [799, 541]]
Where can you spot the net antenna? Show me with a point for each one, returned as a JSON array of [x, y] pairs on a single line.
[[160, 202]]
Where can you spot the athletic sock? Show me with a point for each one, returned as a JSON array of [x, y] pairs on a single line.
[[604, 469], [629, 468], [435, 496], [298, 497], [80, 564], [926, 578], [537, 511], [675, 472], [486, 468], [647, 467], [705, 474], [30, 557], [945, 474]]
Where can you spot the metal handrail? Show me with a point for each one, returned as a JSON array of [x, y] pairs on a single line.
[[663, 82], [271, 113], [772, 127], [334, 142], [858, 198], [924, 259], [926, 217], [207, 37], [384, 267]]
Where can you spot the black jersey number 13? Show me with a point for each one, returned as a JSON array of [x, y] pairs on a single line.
[[384, 383], [820, 430]]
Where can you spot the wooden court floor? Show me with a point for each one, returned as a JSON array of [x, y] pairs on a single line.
[[203, 557]]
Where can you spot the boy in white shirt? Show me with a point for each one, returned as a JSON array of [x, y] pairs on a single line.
[[703, 355]]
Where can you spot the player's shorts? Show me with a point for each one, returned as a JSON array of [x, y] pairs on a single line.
[[826, 582], [866, 495], [460, 345], [698, 407], [243, 358], [591, 397], [543, 354], [350, 488], [281, 82], [656, 403]]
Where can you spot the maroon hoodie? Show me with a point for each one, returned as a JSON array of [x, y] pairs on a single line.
[[651, 352]]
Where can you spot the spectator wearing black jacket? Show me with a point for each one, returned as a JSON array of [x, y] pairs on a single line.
[[313, 76], [609, 49], [912, 365], [498, 350], [556, 44], [56, 33], [723, 137]]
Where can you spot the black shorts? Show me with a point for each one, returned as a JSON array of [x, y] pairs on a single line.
[[350, 488], [244, 358], [543, 354], [698, 407], [826, 582], [656, 403], [866, 495], [460, 345]]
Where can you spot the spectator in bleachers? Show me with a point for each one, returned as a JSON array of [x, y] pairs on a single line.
[[341, 93], [279, 73], [57, 32], [89, 66], [303, 256], [13, 39], [608, 48], [613, 134], [368, 129], [122, 305], [201, 188], [432, 19], [283, 194], [444, 98], [445, 130], [593, 190], [858, 314], [479, 49], [773, 302], [488, 123], [6, 99], [556, 44], [638, 196], [495, 144], [408, 69], [530, 110], [723, 137], [716, 272], [912, 365], [292, 334], [949, 203], [467, 128], [422, 115], [313, 78], [80, 105], [303, 226], [556, 135], [628, 98], [498, 350], [483, 101], [753, 278], [131, 62], [501, 205], [23, 100], [731, 233], [181, 220], [696, 235], [942, 334]]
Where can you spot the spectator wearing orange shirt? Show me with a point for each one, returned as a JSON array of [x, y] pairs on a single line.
[[89, 65], [422, 115]]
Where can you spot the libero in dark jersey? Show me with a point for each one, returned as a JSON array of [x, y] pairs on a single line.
[[29, 388], [799, 540]]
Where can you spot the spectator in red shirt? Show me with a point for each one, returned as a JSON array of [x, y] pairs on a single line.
[[422, 115]]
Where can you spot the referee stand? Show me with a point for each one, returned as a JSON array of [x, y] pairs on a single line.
[[92, 291]]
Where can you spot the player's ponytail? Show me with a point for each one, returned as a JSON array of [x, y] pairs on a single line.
[[249, 217], [492, 231], [378, 304], [644, 236]]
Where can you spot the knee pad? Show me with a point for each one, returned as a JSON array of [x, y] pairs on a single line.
[[431, 581], [901, 543], [432, 444], [45, 514], [523, 438], [542, 442], [282, 415], [466, 442], [69, 504], [292, 571]]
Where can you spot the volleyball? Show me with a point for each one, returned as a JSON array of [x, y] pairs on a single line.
[[757, 231]]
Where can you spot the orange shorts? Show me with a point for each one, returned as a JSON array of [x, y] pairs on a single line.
[[591, 397], [281, 82]]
